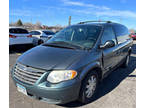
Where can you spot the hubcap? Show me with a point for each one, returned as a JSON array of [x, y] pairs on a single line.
[[127, 61], [91, 86]]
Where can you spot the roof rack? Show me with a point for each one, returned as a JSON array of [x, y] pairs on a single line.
[[94, 21]]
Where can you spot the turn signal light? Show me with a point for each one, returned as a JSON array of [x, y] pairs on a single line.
[[29, 36], [12, 36]]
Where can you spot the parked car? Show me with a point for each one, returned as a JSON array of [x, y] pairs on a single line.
[[57, 31], [20, 36], [42, 35], [71, 64], [133, 36]]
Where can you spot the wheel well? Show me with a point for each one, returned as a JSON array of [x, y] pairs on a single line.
[[99, 72]]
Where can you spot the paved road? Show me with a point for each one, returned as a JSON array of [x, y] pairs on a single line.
[[118, 90]]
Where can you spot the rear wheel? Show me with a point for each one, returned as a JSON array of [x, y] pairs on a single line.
[[88, 88]]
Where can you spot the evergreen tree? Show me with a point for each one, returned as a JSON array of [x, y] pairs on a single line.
[[19, 23]]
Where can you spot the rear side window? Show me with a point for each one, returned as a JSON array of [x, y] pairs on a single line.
[[35, 33], [108, 34], [48, 32], [122, 33], [18, 31]]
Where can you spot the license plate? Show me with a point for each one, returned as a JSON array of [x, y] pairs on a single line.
[[21, 89]]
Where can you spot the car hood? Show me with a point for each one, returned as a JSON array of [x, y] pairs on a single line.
[[49, 58]]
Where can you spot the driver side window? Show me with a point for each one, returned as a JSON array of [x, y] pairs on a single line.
[[108, 34], [35, 33]]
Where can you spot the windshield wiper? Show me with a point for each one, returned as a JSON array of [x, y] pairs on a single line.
[[58, 46], [65, 44]]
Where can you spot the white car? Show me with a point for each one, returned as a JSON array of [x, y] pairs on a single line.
[[20, 36], [42, 35]]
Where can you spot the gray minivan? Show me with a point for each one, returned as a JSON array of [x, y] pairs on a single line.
[[71, 64]]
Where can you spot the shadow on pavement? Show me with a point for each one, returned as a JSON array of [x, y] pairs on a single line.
[[112, 81], [19, 49]]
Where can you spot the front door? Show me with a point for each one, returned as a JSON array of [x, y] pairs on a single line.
[[109, 55]]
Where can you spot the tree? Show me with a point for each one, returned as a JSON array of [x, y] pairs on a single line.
[[19, 23], [38, 25]]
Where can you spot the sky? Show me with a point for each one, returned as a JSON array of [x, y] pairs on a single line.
[[57, 12]]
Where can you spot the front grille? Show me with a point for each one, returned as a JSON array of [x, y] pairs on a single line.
[[26, 74]]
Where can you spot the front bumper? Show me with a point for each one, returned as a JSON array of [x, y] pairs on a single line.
[[61, 93]]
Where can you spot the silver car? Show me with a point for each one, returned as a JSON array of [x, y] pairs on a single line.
[[42, 35], [19, 36]]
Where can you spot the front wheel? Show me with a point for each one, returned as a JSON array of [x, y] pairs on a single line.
[[88, 88]]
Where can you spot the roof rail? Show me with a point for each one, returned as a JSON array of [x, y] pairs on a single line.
[[94, 21]]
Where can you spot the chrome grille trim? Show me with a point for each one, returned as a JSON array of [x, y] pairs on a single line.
[[26, 74], [23, 80]]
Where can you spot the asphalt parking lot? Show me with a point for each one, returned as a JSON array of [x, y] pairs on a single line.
[[118, 90]]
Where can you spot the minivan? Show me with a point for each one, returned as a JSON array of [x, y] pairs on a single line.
[[70, 65]]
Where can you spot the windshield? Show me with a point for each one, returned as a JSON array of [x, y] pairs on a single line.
[[48, 32], [18, 31], [82, 35]]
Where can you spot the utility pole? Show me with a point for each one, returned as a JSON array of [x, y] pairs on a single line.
[[120, 20], [69, 20], [31, 20], [99, 19]]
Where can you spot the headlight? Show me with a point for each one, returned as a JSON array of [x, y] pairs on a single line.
[[61, 75]]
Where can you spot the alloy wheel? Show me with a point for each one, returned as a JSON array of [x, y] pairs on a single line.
[[127, 60], [91, 86]]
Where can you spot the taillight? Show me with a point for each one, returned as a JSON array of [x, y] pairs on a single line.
[[29, 36], [12, 36]]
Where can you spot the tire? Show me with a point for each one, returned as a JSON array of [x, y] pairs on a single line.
[[88, 89], [40, 42], [35, 42], [126, 62], [10, 47]]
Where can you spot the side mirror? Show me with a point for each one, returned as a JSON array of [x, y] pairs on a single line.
[[108, 44], [50, 36]]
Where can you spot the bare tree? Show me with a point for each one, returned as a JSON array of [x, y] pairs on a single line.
[[38, 25], [28, 25]]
